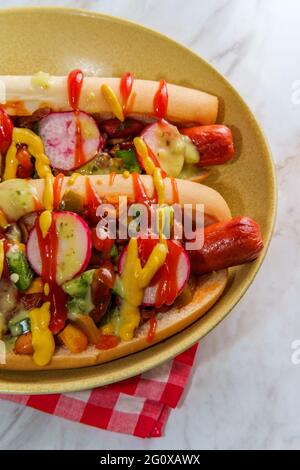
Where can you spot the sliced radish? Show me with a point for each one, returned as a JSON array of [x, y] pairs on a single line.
[[73, 248], [58, 132], [170, 279], [167, 145]]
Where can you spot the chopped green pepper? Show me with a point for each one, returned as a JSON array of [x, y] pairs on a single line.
[[129, 159], [18, 264], [20, 327], [114, 253], [79, 290]]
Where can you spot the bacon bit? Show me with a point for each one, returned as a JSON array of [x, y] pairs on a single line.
[[30, 301]]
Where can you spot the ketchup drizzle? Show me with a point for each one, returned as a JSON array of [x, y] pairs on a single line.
[[175, 193], [126, 84], [112, 178], [92, 202], [75, 81], [152, 329], [140, 193], [57, 185], [48, 249], [160, 101], [166, 276]]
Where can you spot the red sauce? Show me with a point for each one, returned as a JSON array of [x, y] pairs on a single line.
[[57, 185], [16, 108], [153, 158], [140, 193], [107, 342], [6, 130], [152, 329], [6, 245], [160, 101], [166, 276], [37, 204], [112, 178], [75, 81], [175, 194], [126, 88], [92, 202], [168, 288], [48, 249]]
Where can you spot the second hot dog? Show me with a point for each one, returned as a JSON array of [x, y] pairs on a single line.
[[227, 244]]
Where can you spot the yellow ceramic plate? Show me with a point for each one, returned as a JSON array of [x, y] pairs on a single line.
[[58, 40]]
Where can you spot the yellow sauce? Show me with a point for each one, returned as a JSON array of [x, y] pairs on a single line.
[[73, 178], [1, 257], [126, 174], [41, 80], [142, 150], [154, 263], [36, 287], [113, 102], [159, 185], [150, 168], [48, 193], [134, 279], [107, 329], [46, 289], [42, 338], [35, 148], [11, 163], [3, 220], [45, 221]]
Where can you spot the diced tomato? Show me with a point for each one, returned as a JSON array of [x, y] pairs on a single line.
[[6, 129], [24, 158], [25, 167], [101, 245], [108, 342]]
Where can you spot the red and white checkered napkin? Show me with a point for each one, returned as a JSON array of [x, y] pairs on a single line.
[[138, 406]]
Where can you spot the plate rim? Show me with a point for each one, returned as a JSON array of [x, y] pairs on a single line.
[[174, 347]]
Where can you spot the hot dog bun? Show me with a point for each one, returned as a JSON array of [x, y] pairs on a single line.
[[15, 206], [185, 105], [208, 290]]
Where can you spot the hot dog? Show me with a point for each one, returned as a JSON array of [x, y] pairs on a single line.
[[15, 206], [214, 143], [88, 124], [226, 244], [31, 93], [67, 286], [77, 290]]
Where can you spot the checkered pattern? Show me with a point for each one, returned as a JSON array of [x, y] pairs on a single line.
[[138, 406]]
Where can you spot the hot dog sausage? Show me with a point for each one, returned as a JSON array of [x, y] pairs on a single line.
[[214, 143], [184, 104], [227, 244]]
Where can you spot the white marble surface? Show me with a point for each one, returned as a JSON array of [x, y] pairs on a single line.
[[244, 391]]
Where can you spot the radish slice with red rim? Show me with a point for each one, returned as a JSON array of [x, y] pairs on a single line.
[[165, 143], [58, 133], [73, 249], [170, 279]]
